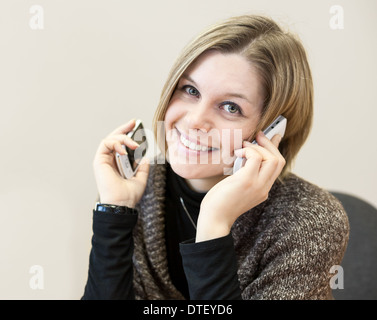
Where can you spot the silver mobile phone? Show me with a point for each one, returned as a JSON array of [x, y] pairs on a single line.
[[276, 127], [128, 164]]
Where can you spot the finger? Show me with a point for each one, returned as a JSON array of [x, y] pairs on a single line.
[[126, 140], [271, 169], [124, 128], [253, 161], [276, 140], [265, 144], [115, 142], [143, 170], [272, 162], [111, 145], [271, 145], [266, 152]]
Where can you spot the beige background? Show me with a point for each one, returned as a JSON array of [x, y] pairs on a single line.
[[96, 64]]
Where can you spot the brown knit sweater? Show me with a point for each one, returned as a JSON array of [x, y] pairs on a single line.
[[285, 246]]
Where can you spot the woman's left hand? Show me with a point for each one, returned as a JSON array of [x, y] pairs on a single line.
[[240, 192]]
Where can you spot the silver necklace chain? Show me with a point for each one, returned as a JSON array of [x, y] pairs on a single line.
[[184, 208]]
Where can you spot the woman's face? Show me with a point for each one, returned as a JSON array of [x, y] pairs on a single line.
[[217, 104]]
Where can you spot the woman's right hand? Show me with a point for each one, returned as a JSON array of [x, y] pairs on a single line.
[[112, 187]]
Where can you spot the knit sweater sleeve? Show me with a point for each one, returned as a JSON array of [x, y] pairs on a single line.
[[293, 256]]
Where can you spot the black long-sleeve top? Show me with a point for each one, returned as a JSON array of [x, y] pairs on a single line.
[[204, 270]]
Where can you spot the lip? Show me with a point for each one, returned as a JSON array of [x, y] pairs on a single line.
[[195, 141]]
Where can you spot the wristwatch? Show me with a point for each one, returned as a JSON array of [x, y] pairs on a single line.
[[111, 208]]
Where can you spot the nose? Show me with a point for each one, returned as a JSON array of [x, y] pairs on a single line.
[[199, 117]]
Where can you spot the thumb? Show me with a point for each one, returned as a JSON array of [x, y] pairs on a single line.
[[143, 170]]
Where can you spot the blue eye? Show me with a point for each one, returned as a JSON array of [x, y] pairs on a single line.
[[191, 91], [231, 107]]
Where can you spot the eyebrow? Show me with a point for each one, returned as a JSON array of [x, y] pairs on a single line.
[[230, 94], [189, 79]]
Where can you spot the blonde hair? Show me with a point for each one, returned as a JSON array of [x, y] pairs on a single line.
[[281, 62]]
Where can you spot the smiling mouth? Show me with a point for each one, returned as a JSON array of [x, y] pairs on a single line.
[[193, 146]]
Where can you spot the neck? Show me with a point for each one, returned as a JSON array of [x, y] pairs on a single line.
[[203, 185]]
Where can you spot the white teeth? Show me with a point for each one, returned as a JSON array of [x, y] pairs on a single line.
[[193, 146]]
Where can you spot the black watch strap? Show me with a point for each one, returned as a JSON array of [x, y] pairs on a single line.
[[111, 208]]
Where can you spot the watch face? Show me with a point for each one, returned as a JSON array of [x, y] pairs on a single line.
[[111, 208]]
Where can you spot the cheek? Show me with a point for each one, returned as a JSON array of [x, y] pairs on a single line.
[[232, 139], [238, 137], [172, 114]]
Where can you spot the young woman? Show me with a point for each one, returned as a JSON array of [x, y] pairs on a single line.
[[184, 228]]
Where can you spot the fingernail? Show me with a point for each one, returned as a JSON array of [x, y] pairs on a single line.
[[238, 153], [247, 143]]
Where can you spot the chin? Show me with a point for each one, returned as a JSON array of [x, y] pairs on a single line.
[[196, 171]]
